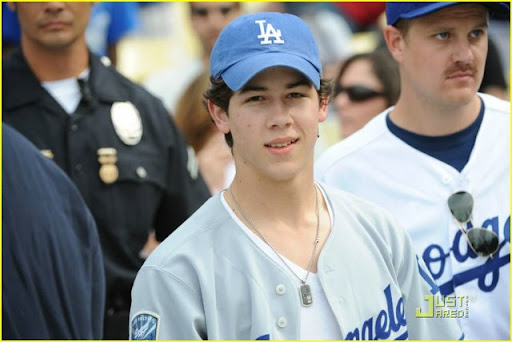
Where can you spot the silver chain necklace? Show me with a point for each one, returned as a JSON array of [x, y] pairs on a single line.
[[306, 297]]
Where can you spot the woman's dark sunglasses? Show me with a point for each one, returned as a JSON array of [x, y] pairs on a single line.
[[357, 93], [483, 242]]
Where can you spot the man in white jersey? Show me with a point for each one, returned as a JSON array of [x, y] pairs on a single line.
[[114, 140], [440, 159], [276, 256]]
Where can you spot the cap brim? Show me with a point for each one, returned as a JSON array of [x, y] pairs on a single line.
[[242, 72], [496, 9], [419, 12]]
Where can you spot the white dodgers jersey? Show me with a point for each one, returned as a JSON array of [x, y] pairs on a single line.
[[376, 165], [210, 280]]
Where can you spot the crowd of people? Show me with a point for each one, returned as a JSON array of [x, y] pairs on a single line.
[[197, 204]]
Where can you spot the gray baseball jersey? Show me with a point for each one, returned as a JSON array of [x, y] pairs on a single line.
[[376, 165], [209, 280]]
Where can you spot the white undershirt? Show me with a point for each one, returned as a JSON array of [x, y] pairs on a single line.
[[317, 322], [66, 92]]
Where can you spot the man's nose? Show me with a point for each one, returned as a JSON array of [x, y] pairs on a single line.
[[54, 6], [280, 115], [463, 53]]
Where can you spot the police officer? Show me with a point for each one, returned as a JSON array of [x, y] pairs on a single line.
[[115, 141]]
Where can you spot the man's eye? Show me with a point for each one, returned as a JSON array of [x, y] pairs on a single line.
[[225, 10], [295, 95], [442, 35], [200, 12], [255, 98], [476, 33]]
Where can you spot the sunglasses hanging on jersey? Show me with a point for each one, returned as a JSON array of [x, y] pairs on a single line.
[[483, 242], [357, 93]]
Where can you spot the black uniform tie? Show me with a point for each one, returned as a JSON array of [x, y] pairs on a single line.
[[85, 91]]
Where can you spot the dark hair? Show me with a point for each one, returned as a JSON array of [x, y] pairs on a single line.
[[220, 94], [384, 67], [403, 26]]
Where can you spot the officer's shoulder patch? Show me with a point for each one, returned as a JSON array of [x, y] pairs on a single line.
[[144, 326]]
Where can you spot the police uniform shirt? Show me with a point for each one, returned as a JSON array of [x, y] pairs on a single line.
[[153, 187]]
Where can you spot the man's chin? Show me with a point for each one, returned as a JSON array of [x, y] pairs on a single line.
[[58, 42], [461, 97]]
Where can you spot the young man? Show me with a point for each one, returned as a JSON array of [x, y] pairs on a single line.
[[277, 256], [113, 139], [440, 159]]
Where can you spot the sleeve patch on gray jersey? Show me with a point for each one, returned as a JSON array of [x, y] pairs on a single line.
[[144, 326]]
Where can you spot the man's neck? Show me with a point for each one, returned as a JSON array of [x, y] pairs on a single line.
[[279, 200], [56, 64], [426, 118], [288, 217]]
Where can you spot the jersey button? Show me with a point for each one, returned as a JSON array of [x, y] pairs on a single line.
[[282, 322], [280, 289], [106, 61], [447, 179], [141, 172], [74, 127]]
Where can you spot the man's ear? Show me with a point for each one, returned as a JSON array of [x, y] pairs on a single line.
[[324, 105], [395, 42], [219, 116]]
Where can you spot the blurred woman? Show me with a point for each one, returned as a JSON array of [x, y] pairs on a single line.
[[367, 84], [195, 123]]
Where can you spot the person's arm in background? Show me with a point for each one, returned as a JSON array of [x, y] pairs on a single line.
[[10, 30], [124, 19]]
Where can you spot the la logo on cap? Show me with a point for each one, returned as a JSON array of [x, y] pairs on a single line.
[[267, 32]]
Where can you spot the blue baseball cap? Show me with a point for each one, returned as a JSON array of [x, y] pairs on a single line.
[[411, 10], [253, 43]]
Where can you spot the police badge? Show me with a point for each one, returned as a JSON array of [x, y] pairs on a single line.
[[127, 123], [108, 171]]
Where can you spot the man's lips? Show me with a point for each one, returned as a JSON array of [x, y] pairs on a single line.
[[460, 74], [53, 25], [280, 143]]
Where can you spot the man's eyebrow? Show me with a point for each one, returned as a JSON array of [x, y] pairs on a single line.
[[484, 24], [301, 82], [250, 87], [253, 87]]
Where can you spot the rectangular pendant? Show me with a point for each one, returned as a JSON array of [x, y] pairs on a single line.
[[305, 295]]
